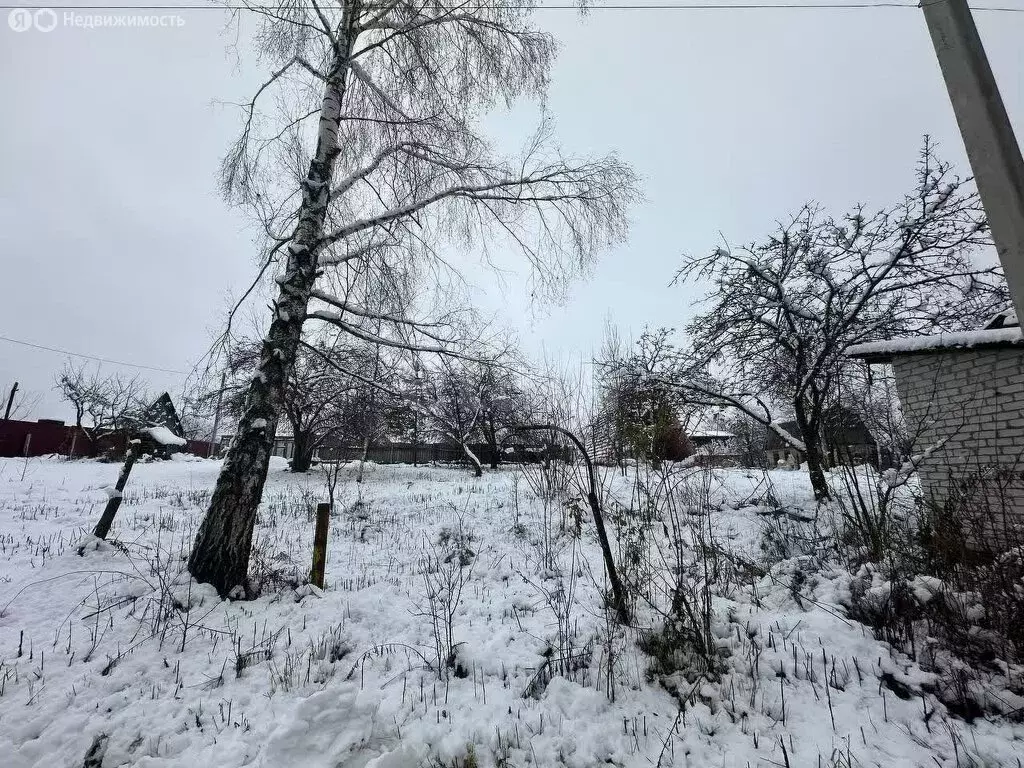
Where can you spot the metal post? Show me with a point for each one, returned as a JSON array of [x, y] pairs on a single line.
[[216, 415], [10, 402], [988, 136]]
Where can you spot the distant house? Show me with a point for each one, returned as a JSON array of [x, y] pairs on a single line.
[[284, 441], [846, 437], [963, 398], [710, 439], [700, 434]]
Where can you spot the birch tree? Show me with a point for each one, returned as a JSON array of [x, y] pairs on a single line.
[[781, 314], [361, 152]]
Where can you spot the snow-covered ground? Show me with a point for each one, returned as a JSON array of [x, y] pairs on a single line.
[[116, 652]]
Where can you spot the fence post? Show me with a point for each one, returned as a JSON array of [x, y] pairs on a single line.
[[114, 502], [28, 442], [323, 517]]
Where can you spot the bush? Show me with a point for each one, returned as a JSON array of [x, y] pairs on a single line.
[[953, 600]]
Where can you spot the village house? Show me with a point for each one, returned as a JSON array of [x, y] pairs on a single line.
[[847, 441]]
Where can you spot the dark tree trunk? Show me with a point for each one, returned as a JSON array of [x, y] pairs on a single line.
[[114, 502], [220, 554], [492, 443], [813, 452], [304, 447]]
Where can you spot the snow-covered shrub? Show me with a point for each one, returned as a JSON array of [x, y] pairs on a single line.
[[787, 534], [550, 485], [683, 564], [445, 573], [973, 546], [956, 609], [456, 543], [875, 511], [272, 572]]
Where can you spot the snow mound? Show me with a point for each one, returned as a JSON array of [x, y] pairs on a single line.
[[164, 436]]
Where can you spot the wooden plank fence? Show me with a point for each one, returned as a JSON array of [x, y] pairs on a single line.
[[431, 453]]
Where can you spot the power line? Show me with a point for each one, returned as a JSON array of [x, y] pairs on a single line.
[[90, 357], [743, 6]]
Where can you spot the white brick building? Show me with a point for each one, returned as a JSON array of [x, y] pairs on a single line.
[[966, 389]]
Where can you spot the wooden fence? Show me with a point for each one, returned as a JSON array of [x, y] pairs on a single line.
[[44, 437], [430, 453]]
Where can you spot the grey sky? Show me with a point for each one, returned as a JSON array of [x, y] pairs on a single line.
[[114, 241]]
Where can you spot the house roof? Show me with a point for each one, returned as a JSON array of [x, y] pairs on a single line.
[[709, 434], [165, 436], [841, 426], [884, 351], [706, 424], [161, 413], [1001, 331]]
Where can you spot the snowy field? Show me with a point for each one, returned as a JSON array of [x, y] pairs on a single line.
[[112, 657]]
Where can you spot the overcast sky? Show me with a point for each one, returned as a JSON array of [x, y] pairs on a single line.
[[115, 243]]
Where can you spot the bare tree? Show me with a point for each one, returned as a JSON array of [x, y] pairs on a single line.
[[104, 405], [450, 399], [320, 403], [393, 167], [782, 313], [503, 400]]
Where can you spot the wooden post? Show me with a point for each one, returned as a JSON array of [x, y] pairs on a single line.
[[107, 518], [323, 517]]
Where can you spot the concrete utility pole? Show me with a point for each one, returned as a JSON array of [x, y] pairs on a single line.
[[10, 402], [991, 146]]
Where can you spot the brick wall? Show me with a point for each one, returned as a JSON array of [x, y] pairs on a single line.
[[975, 399]]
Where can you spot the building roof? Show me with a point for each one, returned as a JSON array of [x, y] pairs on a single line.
[[1001, 331], [709, 434], [841, 427], [706, 424], [161, 413]]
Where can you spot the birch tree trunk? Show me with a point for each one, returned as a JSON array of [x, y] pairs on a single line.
[[220, 555], [363, 456], [478, 470]]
